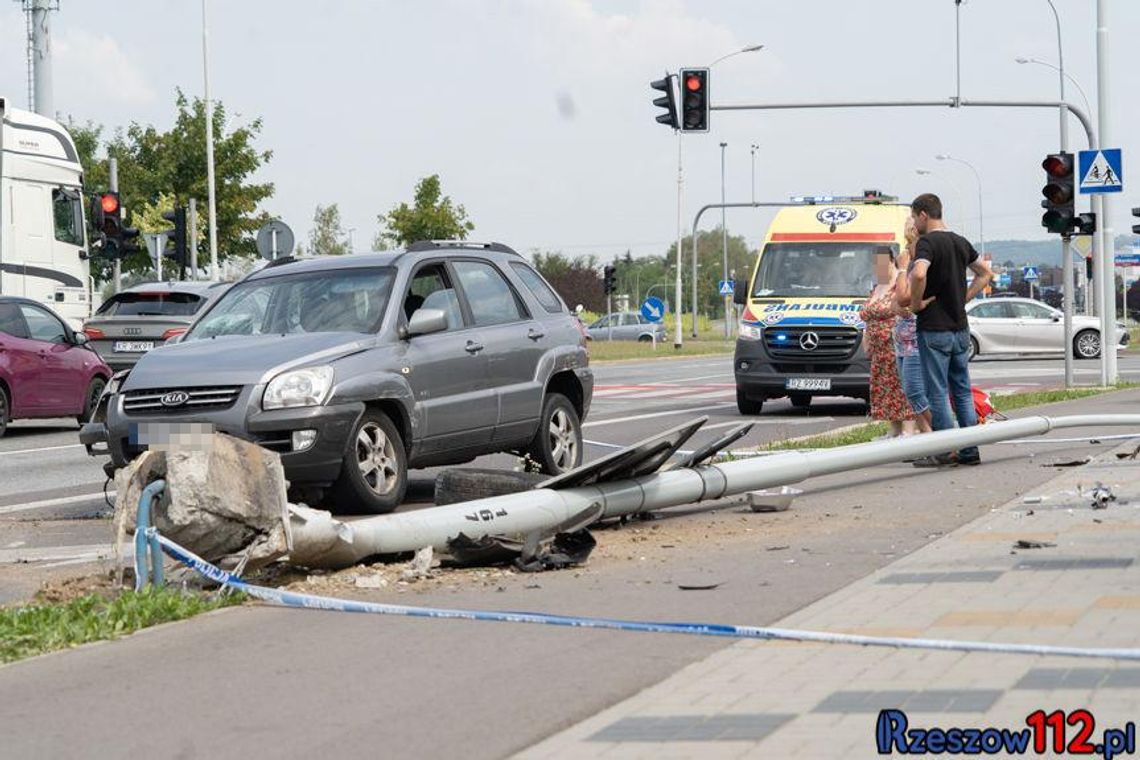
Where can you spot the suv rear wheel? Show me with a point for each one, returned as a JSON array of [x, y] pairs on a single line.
[[747, 405], [374, 477], [557, 446]]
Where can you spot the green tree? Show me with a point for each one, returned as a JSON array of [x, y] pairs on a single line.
[[327, 236], [577, 280], [710, 267], [432, 216], [154, 164]]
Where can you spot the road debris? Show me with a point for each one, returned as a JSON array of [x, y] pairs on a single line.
[[773, 500], [1026, 543], [1101, 495]]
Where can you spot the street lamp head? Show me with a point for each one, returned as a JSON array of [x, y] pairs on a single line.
[[724, 145], [942, 156], [923, 171], [1022, 59], [752, 48]]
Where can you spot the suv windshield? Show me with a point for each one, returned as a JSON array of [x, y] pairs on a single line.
[[143, 304], [340, 300], [805, 270]]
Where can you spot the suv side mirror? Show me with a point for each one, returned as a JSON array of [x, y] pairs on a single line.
[[740, 293], [426, 321]]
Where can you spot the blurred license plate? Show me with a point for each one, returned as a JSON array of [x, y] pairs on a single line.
[[133, 346], [808, 384]]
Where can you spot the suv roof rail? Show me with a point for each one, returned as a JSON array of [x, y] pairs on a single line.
[[279, 262], [432, 245]]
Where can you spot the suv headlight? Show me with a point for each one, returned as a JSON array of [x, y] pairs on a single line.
[[300, 387], [750, 332]]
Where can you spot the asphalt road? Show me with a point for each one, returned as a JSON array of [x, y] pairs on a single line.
[[51, 492], [295, 683]]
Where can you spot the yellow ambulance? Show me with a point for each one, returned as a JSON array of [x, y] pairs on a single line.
[[800, 332]]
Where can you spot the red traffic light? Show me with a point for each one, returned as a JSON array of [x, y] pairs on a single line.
[[109, 202], [693, 83], [1058, 165]]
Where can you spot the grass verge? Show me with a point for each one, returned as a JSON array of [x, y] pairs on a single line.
[[1002, 402], [37, 628], [604, 350]]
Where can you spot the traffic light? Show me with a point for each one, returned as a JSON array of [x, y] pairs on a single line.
[[608, 273], [176, 238], [1059, 193], [1085, 223], [107, 222], [667, 101], [1136, 227], [694, 100]]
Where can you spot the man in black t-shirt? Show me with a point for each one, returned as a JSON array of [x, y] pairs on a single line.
[[941, 258]]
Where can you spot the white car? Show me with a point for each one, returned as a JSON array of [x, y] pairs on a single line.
[[1024, 326]]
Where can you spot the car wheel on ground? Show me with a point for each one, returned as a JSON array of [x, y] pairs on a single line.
[[4, 412], [94, 392], [557, 446], [1086, 344], [747, 405], [374, 477], [973, 348], [644, 338], [800, 400]]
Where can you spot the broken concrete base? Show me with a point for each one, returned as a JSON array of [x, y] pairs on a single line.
[[227, 503]]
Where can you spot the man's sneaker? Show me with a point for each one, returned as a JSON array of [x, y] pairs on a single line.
[[937, 460]]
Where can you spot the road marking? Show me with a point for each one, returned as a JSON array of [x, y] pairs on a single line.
[[45, 448], [670, 413], [769, 421], [60, 502], [15, 545]]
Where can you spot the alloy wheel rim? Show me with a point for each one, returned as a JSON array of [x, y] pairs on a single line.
[[1088, 345], [96, 392], [376, 458], [563, 441]]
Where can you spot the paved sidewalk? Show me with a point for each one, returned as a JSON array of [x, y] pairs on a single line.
[[773, 699]]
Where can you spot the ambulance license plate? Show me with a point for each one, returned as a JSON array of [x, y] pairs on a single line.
[[808, 384]]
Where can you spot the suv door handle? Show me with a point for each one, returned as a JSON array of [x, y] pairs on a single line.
[[472, 347], [535, 334]]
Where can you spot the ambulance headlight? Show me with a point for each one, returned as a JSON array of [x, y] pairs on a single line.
[[749, 331]]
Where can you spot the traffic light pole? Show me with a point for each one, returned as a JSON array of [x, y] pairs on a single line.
[[678, 338], [1103, 218], [113, 186]]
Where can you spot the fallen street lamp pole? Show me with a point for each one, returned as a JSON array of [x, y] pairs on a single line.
[[321, 541]]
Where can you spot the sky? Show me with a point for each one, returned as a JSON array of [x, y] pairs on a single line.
[[537, 114]]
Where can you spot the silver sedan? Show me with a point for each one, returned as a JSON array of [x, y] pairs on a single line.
[[1025, 326]]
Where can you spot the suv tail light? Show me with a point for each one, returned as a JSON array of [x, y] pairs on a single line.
[[94, 333], [173, 332]]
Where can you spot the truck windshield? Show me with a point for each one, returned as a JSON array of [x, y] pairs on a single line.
[[824, 269], [340, 300]]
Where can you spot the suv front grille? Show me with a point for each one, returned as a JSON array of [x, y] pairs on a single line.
[[833, 342], [150, 400]]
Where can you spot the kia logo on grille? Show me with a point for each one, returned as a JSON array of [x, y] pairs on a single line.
[[175, 398], [809, 341]]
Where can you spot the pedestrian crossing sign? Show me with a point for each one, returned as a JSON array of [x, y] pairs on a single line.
[[1100, 171]]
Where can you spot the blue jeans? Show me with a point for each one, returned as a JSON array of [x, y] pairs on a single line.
[[914, 386], [945, 367]]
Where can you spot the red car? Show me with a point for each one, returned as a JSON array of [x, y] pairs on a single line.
[[46, 368]]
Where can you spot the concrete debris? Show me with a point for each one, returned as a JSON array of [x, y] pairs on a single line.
[[420, 566], [370, 581], [1025, 543], [226, 503], [565, 549]]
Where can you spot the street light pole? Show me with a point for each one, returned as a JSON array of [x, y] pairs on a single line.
[[978, 177], [1104, 215], [1066, 240], [724, 240], [754, 148]]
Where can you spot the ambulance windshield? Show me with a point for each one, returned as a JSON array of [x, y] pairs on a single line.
[[812, 270]]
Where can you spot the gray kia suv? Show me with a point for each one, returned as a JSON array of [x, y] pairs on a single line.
[[355, 368]]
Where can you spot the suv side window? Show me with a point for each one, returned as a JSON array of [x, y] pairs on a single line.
[[431, 288], [491, 298], [43, 326], [12, 322], [538, 287]]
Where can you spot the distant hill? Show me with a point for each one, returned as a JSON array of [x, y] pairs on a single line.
[[1039, 252]]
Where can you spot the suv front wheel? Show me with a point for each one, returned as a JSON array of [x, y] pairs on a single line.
[[557, 446], [374, 476]]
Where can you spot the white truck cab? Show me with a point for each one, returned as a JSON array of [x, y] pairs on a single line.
[[43, 236]]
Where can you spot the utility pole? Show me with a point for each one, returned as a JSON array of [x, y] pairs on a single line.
[[678, 331], [210, 147], [1104, 217], [724, 241], [42, 90]]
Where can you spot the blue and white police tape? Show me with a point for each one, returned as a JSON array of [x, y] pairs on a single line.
[[310, 601]]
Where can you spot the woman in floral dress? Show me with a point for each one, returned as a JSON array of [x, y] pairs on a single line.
[[888, 402]]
